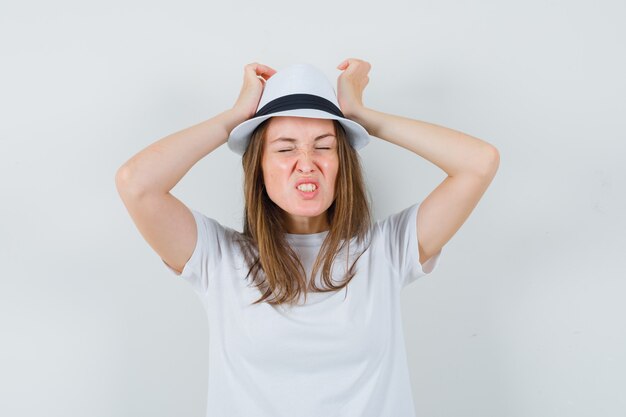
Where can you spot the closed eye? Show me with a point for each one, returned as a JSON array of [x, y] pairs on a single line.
[[287, 150]]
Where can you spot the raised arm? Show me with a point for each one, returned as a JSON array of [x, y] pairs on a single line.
[[144, 182], [470, 163]]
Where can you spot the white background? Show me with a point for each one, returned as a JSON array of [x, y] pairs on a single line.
[[523, 317]]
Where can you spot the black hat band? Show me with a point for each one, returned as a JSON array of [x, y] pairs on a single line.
[[299, 101]]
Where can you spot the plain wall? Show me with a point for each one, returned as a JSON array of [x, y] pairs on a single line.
[[524, 315]]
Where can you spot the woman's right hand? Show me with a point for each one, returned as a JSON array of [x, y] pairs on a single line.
[[254, 77]]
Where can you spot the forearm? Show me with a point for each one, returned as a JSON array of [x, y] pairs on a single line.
[[452, 151], [160, 166]]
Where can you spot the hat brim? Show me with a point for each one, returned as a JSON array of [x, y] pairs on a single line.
[[240, 135]]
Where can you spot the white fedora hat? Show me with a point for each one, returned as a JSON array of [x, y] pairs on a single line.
[[298, 90]]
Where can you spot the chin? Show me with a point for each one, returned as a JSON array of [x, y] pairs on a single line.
[[310, 210]]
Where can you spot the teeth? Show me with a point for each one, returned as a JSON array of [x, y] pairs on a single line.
[[307, 187]]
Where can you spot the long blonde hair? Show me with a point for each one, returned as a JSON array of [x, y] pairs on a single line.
[[274, 266]]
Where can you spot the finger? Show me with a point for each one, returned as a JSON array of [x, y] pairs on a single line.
[[355, 63], [350, 61], [351, 65], [259, 70], [265, 71]]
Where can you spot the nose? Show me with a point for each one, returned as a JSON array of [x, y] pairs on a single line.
[[305, 161]]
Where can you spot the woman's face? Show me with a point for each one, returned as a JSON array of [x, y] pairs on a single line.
[[296, 150]]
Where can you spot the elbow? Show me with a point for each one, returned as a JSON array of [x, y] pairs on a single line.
[[492, 161], [122, 177], [124, 182], [489, 162]]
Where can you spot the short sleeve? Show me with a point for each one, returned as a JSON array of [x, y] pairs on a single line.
[[206, 254], [399, 231]]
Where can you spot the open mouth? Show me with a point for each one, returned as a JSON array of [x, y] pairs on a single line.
[[307, 188], [308, 191]]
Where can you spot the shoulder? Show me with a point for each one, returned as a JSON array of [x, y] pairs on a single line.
[[396, 221], [214, 233]]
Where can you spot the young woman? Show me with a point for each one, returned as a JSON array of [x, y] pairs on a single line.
[[304, 303]]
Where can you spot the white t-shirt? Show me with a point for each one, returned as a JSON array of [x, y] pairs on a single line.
[[341, 354]]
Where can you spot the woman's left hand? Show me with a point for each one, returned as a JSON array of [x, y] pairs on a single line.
[[350, 85]]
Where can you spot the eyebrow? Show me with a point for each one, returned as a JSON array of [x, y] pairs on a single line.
[[286, 139]]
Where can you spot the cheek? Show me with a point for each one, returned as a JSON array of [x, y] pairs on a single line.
[[275, 174], [332, 169]]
